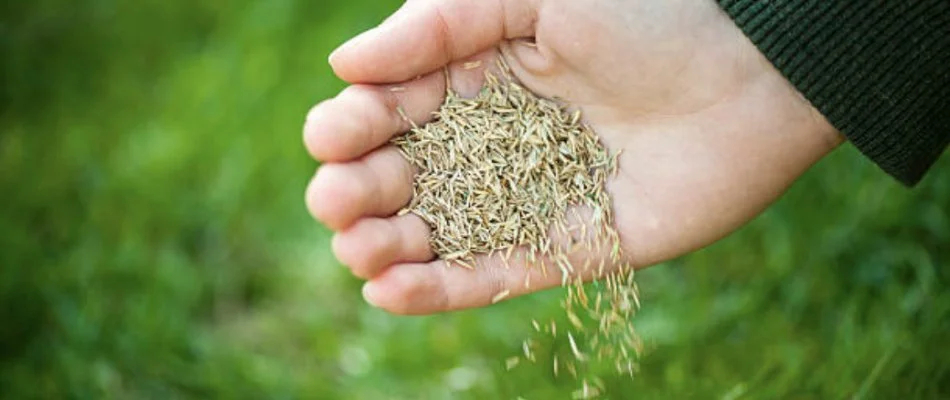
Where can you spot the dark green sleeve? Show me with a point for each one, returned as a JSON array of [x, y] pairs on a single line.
[[878, 70]]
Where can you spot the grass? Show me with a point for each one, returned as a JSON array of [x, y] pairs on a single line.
[[154, 243]]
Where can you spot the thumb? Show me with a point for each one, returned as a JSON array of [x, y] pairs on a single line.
[[425, 35]]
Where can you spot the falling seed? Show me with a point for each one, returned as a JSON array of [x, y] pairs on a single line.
[[471, 65], [526, 348], [572, 369], [598, 383], [585, 392], [500, 296], [575, 320], [577, 353]]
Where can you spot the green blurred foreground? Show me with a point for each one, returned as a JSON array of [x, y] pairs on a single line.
[[154, 242]]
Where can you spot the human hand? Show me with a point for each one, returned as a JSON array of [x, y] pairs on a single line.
[[711, 133]]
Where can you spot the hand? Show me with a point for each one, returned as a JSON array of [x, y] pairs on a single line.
[[711, 133]]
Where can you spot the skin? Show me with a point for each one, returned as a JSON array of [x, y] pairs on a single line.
[[711, 133]]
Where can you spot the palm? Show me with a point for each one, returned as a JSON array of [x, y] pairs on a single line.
[[710, 134]]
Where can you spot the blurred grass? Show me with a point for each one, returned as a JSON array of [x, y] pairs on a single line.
[[154, 243]]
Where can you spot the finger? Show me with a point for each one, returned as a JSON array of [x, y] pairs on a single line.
[[376, 185], [428, 34], [373, 244], [364, 117], [425, 288]]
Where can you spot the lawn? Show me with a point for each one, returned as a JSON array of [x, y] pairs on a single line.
[[154, 241]]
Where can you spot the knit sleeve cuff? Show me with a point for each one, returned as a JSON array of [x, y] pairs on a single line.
[[879, 71]]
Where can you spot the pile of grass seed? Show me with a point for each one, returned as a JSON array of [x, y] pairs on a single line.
[[507, 169]]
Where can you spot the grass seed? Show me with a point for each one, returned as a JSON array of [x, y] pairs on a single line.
[[507, 169]]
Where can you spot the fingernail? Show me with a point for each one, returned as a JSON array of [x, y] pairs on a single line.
[[334, 53], [369, 293]]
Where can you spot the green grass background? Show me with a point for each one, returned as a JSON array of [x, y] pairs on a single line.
[[154, 242]]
